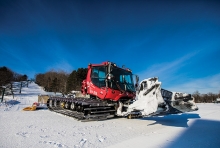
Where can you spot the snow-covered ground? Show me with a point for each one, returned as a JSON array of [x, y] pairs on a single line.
[[43, 128]]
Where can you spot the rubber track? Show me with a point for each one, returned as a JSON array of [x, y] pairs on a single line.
[[99, 110]]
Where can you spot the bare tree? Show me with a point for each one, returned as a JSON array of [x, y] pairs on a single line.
[[52, 80], [197, 96], [219, 94], [211, 97]]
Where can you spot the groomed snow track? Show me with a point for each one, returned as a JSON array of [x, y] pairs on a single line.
[[82, 109]]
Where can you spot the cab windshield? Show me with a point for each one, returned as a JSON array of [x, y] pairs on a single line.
[[121, 79]]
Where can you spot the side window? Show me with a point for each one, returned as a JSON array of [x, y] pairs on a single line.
[[98, 76], [126, 78], [95, 72], [102, 73]]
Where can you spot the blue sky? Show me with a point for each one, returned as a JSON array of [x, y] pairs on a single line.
[[177, 41]]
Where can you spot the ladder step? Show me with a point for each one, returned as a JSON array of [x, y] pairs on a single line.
[[103, 111], [97, 108]]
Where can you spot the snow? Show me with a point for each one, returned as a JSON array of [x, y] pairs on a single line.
[[43, 128], [148, 103]]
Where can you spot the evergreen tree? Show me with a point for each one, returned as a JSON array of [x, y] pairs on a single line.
[[75, 79], [24, 78], [6, 76], [71, 81], [81, 75]]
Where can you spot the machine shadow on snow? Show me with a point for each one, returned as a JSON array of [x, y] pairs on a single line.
[[178, 120], [202, 133], [12, 102]]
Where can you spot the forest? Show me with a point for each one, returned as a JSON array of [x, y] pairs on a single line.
[[7, 76], [60, 81]]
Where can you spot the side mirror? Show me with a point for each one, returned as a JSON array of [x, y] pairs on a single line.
[[136, 85], [109, 76], [137, 78], [109, 67]]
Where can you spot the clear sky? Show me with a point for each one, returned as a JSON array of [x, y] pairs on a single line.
[[177, 41]]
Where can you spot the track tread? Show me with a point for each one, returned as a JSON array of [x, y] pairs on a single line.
[[90, 110]]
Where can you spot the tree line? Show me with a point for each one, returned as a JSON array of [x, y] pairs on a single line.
[[7, 76], [60, 81], [205, 98]]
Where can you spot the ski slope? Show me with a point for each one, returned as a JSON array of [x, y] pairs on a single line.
[[42, 128]]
